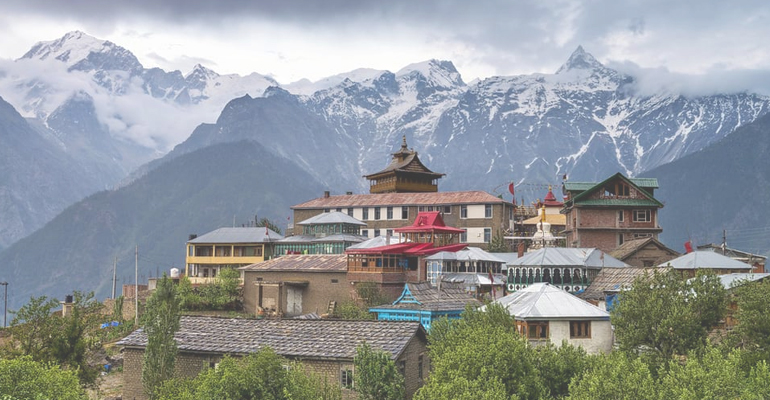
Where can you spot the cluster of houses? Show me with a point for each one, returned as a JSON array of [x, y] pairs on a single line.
[[427, 253]]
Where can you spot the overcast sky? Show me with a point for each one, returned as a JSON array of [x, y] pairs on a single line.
[[710, 44]]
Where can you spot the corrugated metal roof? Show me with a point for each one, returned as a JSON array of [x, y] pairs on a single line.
[[541, 301], [737, 279], [302, 262], [704, 259], [474, 279], [238, 235], [400, 199], [564, 257], [334, 217], [582, 186], [467, 254], [291, 338], [377, 241]]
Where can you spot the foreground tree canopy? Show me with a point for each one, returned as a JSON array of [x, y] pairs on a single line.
[[25, 379], [261, 375]]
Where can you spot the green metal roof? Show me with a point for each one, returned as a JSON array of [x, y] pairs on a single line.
[[641, 182]]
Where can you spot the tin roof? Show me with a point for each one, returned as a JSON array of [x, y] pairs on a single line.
[[238, 235], [704, 259], [377, 241], [467, 254], [292, 338], [334, 217], [302, 262], [400, 199], [428, 221], [730, 281], [575, 257], [542, 301]]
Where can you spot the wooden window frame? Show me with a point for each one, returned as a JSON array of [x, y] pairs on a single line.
[[579, 329]]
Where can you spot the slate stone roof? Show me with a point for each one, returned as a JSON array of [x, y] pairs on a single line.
[[423, 296], [629, 247], [400, 199], [302, 262], [611, 279], [291, 338]]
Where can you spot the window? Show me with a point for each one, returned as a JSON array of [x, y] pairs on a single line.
[[420, 208], [350, 212], [389, 213], [419, 366], [620, 215], [487, 211], [642, 216], [365, 232], [326, 210], [190, 250], [621, 189], [376, 212], [621, 239], [446, 209], [402, 367], [487, 235], [464, 237], [537, 330], [389, 232], [463, 211], [376, 232], [366, 213], [335, 281], [580, 329], [404, 212], [642, 235], [339, 209], [346, 378]]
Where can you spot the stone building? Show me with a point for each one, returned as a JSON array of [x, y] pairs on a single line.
[[605, 215], [325, 347], [296, 284]]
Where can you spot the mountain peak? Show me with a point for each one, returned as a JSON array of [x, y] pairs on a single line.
[[199, 72], [580, 59], [439, 72], [84, 52]]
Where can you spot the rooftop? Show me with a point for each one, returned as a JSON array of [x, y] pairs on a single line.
[[541, 301], [293, 338], [612, 279], [423, 296], [704, 259], [302, 262], [562, 257], [238, 235], [334, 217], [400, 199]]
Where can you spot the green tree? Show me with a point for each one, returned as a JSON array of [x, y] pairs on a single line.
[[260, 375], [711, 375], [32, 328], [481, 351], [557, 366], [752, 333], [377, 377], [497, 243], [160, 322], [264, 222], [25, 379], [663, 315], [615, 376]]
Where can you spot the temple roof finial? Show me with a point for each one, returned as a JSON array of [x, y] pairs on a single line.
[[403, 143]]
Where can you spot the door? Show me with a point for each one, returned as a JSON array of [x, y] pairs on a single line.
[[293, 301]]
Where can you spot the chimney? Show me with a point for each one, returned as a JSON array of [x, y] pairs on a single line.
[[326, 194], [348, 193], [521, 249], [192, 236], [67, 305]]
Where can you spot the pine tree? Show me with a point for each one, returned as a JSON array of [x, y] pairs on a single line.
[[160, 322]]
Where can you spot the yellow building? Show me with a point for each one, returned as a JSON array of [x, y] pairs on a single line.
[[208, 254]]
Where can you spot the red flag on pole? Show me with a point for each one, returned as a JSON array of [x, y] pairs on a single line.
[[688, 247]]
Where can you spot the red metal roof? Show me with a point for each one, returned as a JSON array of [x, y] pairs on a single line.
[[410, 248], [428, 222], [550, 199], [400, 199]]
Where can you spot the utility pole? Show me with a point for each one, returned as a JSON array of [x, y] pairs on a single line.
[[5, 304], [114, 271], [136, 286], [724, 241]]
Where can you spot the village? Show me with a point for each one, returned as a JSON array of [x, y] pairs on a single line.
[[409, 256]]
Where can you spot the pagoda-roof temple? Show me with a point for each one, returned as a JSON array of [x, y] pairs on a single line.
[[405, 174]]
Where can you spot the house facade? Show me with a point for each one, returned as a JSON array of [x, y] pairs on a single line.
[[296, 284], [227, 248], [605, 215], [545, 313], [324, 347]]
